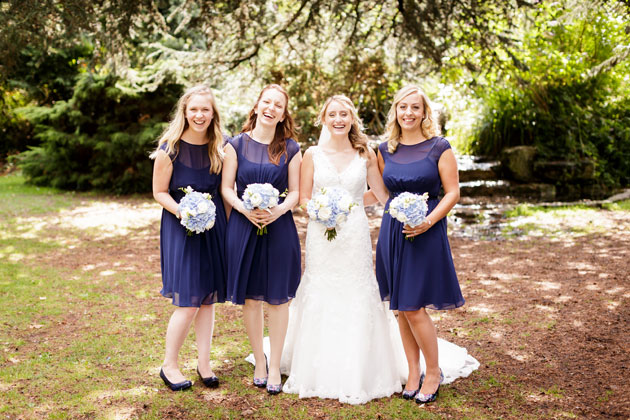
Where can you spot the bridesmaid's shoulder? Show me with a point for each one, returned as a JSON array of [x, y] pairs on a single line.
[[292, 145], [237, 138], [442, 143]]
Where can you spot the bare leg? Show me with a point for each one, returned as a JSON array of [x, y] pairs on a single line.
[[204, 326], [278, 323], [253, 317], [426, 337], [412, 352], [176, 333]]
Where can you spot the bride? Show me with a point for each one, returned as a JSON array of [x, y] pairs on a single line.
[[342, 342]]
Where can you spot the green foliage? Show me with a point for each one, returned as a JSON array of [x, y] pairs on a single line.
[[16, 131], [364, 78], [100, 138], [41, 77], [568, 95], [49, 75]]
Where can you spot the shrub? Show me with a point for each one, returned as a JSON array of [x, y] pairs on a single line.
[[100, 138], [567, 94]]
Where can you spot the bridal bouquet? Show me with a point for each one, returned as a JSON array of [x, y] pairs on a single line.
[[409, 209], [330, 207], [261, 196], [197, 211]]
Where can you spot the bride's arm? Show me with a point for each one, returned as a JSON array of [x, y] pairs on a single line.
[[306, 178], [375, 179]]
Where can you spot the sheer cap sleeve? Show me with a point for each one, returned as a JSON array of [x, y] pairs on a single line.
[[292, 149], [383, 148], [235, 141], [442, 145]]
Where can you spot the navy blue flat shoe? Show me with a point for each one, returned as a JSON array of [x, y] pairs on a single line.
[[180, 386], [210, 382]]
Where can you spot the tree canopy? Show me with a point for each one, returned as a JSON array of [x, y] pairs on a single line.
[[480, 59]]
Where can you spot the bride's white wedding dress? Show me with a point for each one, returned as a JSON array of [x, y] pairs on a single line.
[[342, 342]]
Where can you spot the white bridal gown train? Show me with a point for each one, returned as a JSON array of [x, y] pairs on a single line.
[[342, 341]]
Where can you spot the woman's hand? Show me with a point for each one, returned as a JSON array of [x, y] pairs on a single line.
[[267, 217], [251, 216], [410, 232]]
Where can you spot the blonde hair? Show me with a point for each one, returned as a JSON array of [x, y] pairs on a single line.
[[178, 124], [357, 137], [393, 132], [285, 129]]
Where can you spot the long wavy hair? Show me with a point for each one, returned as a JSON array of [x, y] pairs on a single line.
[[178, 124], [357, 137], [285, 129], [393, 132]]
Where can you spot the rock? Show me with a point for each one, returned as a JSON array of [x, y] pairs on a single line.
[[624, 195], [538, 192], [565, 171], [484, 188], [477, 175], [518, 162]]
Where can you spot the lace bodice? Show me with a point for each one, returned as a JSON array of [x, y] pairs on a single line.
[[352, 178]]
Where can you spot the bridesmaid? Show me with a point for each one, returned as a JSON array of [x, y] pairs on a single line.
[[264, 268], [190, 152], [419, 274]]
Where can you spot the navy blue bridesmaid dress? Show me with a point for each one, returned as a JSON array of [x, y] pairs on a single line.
[[419, 273], [266, 267], [193, 267]]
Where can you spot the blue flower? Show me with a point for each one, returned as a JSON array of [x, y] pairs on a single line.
[[330, 207], [197, 211]]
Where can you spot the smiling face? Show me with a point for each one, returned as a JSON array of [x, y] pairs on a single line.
[[271, 107], [338, 119], [410, 112], [199, 112]]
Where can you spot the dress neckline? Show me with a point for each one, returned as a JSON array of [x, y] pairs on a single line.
[[192, 144], [333, 165], [420, 142], [256, 141]]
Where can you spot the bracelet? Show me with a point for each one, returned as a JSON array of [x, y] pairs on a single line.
[[429, 220]]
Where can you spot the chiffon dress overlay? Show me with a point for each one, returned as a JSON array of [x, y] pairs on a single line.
[[342, 342], [263, 267], [419, 273], [193, 267]]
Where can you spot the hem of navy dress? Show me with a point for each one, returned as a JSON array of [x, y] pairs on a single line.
[[445, 307], [210, 299], [263, 299]]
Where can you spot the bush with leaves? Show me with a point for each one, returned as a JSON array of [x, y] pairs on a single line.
[[100, 138], [567, 93]]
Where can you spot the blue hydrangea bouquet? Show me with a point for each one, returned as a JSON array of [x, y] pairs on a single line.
[[261, 196], [409, 209], [330, 207], [197, 211]]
